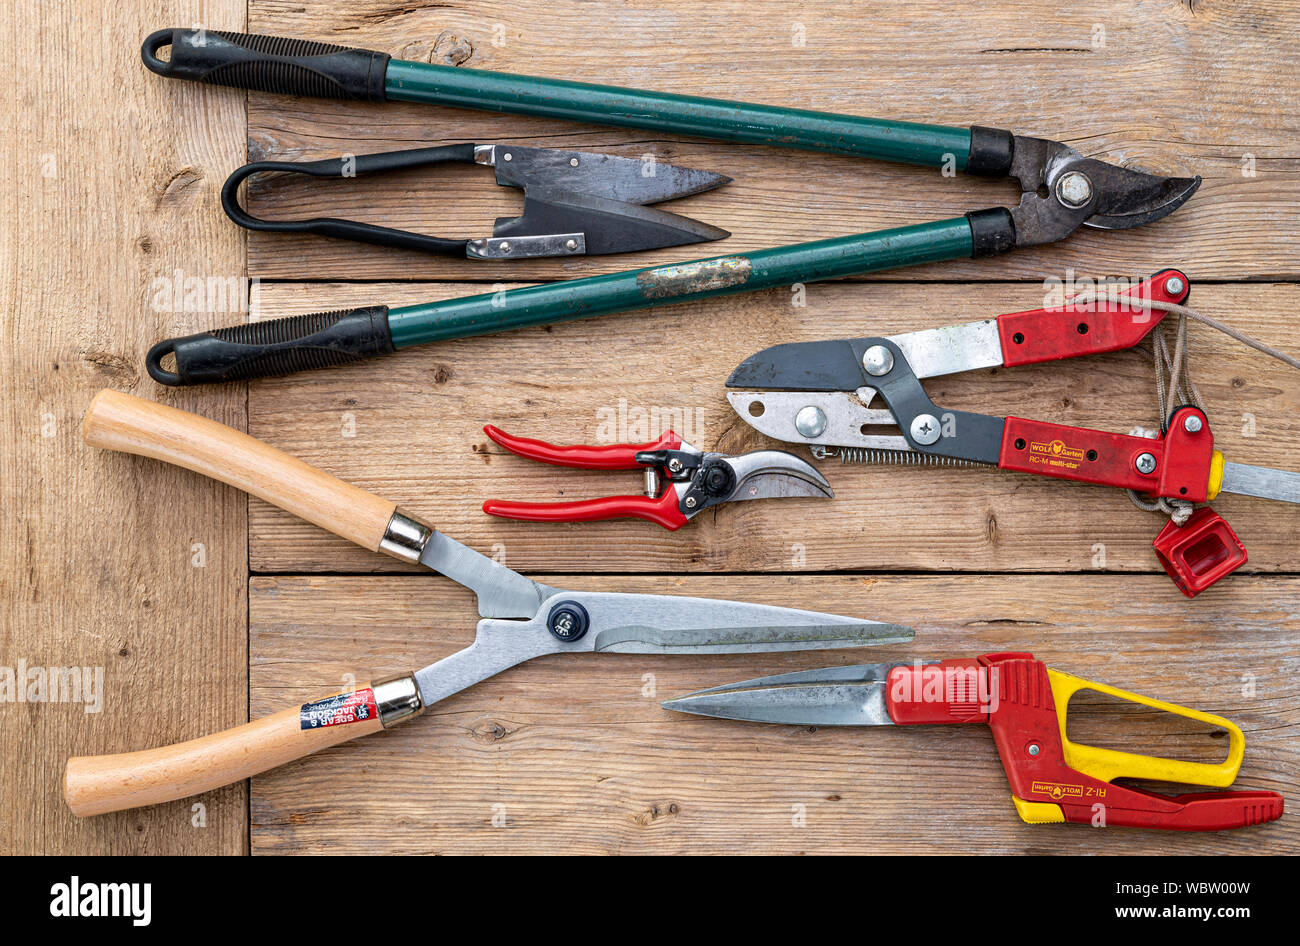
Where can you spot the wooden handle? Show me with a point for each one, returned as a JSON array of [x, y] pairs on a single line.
[[118, 421], [94, 785]]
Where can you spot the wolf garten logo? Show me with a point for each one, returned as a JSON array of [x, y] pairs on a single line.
[[1056, 453], [1058, 791], [86, 899]]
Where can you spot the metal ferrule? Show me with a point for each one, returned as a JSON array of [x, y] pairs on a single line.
[[398, 698], [405, 537]]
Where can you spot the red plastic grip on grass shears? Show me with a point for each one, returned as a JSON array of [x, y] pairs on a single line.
[[1053, 779]]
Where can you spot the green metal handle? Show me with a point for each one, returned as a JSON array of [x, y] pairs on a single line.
[[700, 279], [905, 142], [300, 67]]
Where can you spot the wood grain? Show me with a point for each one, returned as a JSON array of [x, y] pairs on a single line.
[[409, 428], [105, 561], [117, 421], [94, 785], [575, 755], [1162, 87]]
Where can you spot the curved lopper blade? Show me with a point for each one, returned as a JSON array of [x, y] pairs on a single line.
[[1063, 190]]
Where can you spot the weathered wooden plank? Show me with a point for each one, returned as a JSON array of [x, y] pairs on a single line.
[[575, 755], [1167, 88], [110, 180], [409, 427]]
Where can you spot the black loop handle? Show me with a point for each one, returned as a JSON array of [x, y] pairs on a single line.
[[268, 64], [274, 347], [349, 167]]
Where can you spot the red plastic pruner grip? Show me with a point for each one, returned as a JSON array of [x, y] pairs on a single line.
[[615, 456], [663, 511]]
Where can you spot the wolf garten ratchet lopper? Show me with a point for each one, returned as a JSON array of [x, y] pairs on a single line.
[[1025, 703], [681, 480], [575, 202], [1061, 190], [522, 619], [821, 394]]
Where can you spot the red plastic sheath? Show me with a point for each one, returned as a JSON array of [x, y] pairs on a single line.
[[615, 456], [1107, 324], [663, 510], [1012, 693]]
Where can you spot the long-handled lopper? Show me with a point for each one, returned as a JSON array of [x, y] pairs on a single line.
[[1061, 190]]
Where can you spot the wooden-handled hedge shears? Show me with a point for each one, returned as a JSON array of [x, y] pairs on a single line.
[[824, 394], [522, 619], [681, 480], [1025, 703], [1061, 190]]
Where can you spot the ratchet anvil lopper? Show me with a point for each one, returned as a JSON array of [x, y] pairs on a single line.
[[681, 480], [575, 202], [1026, 704], [522, 619], [1061, 190], [822, 394]]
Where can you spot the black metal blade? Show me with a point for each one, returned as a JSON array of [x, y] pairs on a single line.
[[1131, 198], [609, 226], [800, 366], [630, 180]]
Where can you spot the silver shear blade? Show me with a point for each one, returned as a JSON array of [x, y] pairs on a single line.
[[648, 624], [775, 474], [834, 696]]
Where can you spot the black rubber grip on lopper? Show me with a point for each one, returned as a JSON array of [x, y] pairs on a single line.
[[991, 152], [268, 64], [275, 347], [991, 231]]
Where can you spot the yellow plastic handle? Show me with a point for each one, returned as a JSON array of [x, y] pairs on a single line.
[[1110, 764]]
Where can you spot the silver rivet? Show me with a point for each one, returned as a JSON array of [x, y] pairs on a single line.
[[1033, 748], [570, 245], [573, 162], [1146, 463], [878, 360], [1074, 189], [810, 422], [1174, 286], [508, 156], [690, 502], [504, 247], [1192, 424], [925, 429], [675, 465]]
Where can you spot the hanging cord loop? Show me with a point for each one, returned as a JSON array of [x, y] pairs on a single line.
[[1174, 385]]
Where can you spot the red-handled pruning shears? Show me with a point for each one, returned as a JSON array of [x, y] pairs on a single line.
[[821, 394], [680, 480], [1025, 703]]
